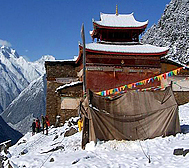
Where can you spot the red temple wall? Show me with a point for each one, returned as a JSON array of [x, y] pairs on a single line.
[[126, 62], [99, 80]]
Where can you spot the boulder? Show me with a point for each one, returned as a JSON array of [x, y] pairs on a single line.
[[70, 132]]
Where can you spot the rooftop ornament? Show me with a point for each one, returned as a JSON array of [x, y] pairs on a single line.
[[116, 10]]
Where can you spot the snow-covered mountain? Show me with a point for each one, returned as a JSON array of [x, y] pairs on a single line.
[[57, 151], [172, 30], [16, 74], [40, 64], [31, 103]]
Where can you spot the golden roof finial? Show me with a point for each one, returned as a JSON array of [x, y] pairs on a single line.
[[116, 10]]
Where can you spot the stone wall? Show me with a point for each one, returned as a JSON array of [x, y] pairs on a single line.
[[53, 107], [54, 70], [51, 100], [60, 69], [75, 91]]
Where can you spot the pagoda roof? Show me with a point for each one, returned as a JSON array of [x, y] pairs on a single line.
[[119, 21], [132, 49]]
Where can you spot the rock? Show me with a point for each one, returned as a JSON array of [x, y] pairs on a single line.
[[1, 161], [24, 152], [59, 147], [9, 165], [24, 141], [55, 137], [75, 161], [74, 122], [70, 132], [178, 151], [54, 149], [69, 124], [185, 152], [52, 160]]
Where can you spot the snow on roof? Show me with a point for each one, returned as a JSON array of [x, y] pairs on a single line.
[[68, 85], [120, 20], [178, 62], [74, 59], [140, 48]]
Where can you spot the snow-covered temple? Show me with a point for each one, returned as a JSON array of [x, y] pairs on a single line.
[[117, 57]]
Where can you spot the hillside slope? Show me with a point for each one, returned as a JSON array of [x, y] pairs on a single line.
[[30, 103], [56, 150]]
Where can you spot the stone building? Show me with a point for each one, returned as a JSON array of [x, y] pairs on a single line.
[[60, 73]]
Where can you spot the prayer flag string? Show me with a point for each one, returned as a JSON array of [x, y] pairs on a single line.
[[123, 88]]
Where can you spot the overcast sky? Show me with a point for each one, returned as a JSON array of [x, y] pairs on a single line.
[[40, 27]]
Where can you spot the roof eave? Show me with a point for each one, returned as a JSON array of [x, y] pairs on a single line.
[[80, 53], [126, 53], [123, 28]]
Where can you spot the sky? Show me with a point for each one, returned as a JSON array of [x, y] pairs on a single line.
[[52, 27]]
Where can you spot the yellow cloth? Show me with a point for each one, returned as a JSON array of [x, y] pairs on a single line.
[[80, 124]]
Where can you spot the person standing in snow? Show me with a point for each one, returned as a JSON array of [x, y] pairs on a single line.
[[37, 125], [47, 124], [33, 127], [43, 122], [57, 124]]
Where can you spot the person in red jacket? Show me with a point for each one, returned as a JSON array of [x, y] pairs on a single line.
[[37, 123]]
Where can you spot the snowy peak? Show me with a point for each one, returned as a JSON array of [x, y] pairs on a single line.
[[172, 30], [8, 52], [45, 58], [40, 64], [16, 74]]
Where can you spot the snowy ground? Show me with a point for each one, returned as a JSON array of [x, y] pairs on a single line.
[[111, 154]]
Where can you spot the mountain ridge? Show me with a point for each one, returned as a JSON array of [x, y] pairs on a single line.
[[172, 30], [17, 74]]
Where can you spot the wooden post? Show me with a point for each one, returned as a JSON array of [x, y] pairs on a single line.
[[84, 61], [171, 85]]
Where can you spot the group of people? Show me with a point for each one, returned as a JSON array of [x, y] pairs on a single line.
[[37, 126]]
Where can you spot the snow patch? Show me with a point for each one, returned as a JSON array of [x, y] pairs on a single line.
[[90, 146], [68, 85]]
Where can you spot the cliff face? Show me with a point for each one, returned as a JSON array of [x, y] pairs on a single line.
[[7, 133], [30, 104], [172, 30]]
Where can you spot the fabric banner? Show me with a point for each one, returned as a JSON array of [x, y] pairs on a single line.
[[134, 115]]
